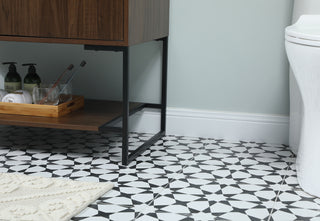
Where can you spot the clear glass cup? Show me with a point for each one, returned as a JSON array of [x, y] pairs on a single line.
[[65, 92], [45, 95]]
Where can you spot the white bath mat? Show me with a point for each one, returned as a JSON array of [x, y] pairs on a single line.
[[25, 197]]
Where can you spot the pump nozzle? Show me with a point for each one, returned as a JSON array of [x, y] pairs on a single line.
[[12, 67], [31, 69]]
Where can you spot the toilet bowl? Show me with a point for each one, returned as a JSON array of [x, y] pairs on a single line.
[[302, 43], [300, 7]]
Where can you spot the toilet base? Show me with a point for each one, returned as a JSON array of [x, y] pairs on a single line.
[[308, 158], [295, 114]]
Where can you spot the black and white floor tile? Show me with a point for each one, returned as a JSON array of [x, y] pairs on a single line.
[[178, 178]]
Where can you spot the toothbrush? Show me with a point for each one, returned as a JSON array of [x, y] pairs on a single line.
[[82, 64], [69, 68]]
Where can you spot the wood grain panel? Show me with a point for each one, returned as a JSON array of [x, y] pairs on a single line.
[[52, 15], [95, 22], [96, 19], [18, 17], [69, 19], [148, 20]]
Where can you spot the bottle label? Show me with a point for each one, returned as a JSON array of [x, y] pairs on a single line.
[[11, 87], [29, 88]]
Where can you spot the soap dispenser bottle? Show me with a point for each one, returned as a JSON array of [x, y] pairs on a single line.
[[12, 81], [32, 79]]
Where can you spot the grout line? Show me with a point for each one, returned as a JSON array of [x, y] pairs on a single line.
[[158, 194], [164, 188], [279, 191], [170, 181]]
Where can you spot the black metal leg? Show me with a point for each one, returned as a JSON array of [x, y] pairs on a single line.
[[125, 110], [126, 157], [164, 84], [163, 105]]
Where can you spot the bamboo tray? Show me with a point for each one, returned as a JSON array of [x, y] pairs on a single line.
[[40, 110]]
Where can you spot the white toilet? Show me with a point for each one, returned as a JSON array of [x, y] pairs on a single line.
[[303, 50], [300, 7]]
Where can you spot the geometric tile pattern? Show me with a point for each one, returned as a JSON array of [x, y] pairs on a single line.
[[178, 178]]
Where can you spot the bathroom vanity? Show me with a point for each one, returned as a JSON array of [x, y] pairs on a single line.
[[105, 25]]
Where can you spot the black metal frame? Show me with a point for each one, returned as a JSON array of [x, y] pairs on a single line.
[[126, 112]]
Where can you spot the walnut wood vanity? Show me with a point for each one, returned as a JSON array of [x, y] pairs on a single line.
[[107, 25]]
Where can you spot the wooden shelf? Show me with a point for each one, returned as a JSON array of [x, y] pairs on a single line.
[[95, 114]]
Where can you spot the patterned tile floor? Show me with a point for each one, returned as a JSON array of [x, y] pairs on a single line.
[[179, 178]]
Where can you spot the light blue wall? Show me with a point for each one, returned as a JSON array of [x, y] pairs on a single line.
[[229, 55], [224, 55]]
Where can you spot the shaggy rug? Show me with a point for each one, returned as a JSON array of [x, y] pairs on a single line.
[[25, 197]]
